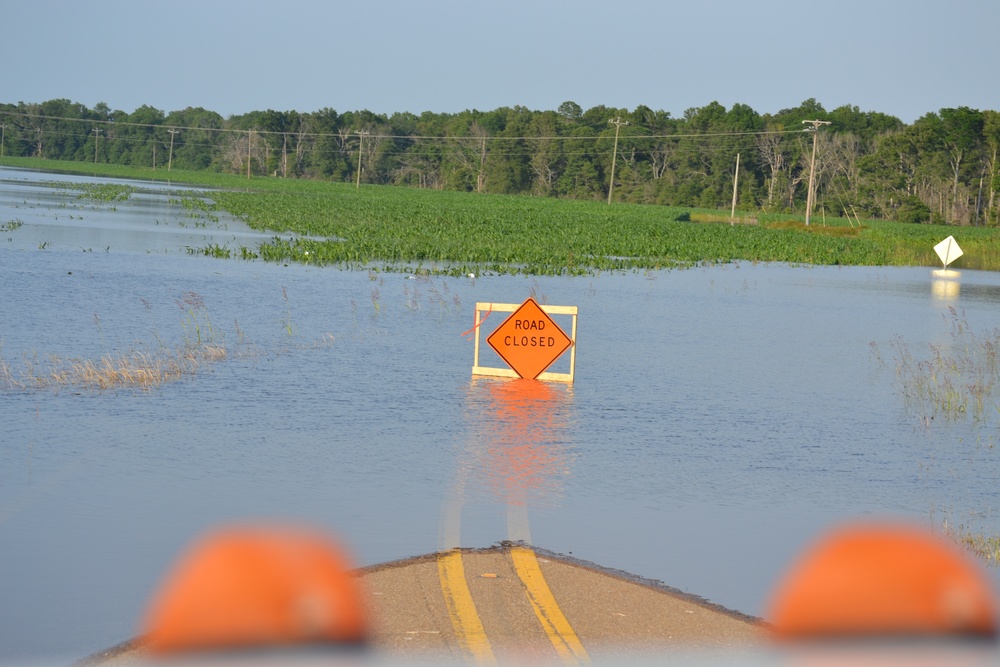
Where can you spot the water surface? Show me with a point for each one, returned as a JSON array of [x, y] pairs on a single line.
[[721, 417]]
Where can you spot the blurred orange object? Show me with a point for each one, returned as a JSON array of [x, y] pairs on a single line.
[[883, 580], [243, 588]]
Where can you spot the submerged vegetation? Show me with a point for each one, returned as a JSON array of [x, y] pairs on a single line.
[[984, 546], [458, 233], [104, 192], [128, 370], [131, 369], [142, 367], [957, 380]]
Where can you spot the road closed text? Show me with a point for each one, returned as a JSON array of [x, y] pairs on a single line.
[[529, 340]]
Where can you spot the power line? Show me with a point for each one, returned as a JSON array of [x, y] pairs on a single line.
[[118, 123], [676, 146]]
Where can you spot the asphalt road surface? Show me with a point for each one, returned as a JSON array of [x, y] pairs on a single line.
[[515, 604]]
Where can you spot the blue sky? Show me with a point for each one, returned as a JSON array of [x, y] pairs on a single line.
[[903, 58]]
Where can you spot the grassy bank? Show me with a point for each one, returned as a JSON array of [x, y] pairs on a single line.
[[455, 232]]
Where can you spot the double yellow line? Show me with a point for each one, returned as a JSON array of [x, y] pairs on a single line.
[[462, 610], [469, 628]]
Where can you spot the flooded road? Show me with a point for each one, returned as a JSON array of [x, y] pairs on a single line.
[[720, 419]]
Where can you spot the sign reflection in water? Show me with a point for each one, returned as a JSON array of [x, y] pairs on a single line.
[[517, 451], [946, 284]]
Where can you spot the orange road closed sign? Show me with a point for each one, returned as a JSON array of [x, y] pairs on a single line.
[[529, 340]]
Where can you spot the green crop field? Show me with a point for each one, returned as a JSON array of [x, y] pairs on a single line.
[[405, 229]]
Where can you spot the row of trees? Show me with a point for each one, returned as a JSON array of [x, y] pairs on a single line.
[[942, 168]]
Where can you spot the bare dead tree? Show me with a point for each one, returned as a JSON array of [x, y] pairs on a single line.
[[628, 158], [420, 171], [993, 180], [845, 152], [481, 135], [233, 150], [259, 152], [660, 156], [545, 159], [771, 150], [303, 143], [343, 139], [472, 151]]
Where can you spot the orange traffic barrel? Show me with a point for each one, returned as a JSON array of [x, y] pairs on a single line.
[[883, 580], [246, 588]]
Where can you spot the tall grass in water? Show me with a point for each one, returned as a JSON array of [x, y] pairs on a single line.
[[130, 370], [140, 369], [196, 323], [983, 546], [956, 381]]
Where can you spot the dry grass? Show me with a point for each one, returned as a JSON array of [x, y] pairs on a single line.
[[818, 228], [131, 370], [708, 217], [985, 547], [139, 369]]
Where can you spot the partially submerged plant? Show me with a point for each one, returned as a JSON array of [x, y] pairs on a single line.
[[137, 368], [131, 370], [956, 381], [104, 192], [983, 546], [287, 320], [197, 326]]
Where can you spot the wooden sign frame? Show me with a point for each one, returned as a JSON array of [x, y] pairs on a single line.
[[509, 372]]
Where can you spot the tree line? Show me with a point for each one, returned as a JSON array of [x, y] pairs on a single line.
[[942, 168]]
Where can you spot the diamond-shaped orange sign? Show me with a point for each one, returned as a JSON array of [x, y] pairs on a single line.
[[529, 340]]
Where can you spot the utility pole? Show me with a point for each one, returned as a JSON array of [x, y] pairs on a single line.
[[249, 145], [810, 196], [736, 180], [284, 155], [3, 136], [170, 160], [97, 134], [617, 122], [361, 145]]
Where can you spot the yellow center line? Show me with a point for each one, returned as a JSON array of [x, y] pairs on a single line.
[[462, 610], [554, 622]]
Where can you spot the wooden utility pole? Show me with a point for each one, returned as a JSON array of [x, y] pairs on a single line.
[[361, 145], [736, 180], [810, 196], [97, 134], [284, 155], [249, 146], [617, 122], [170, 160]]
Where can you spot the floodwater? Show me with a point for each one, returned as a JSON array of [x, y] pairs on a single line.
[[721, 417]]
